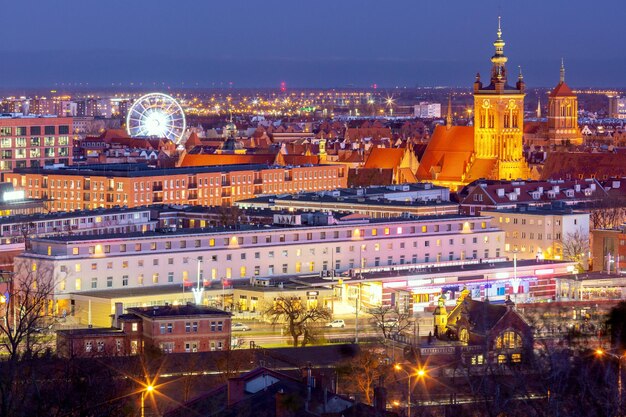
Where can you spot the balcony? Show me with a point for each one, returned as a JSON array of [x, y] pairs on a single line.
[[157, 187], [192, 185], [156, 199]]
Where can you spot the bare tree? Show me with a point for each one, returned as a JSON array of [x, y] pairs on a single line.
[[364, 371], [576, 248], [607, 213], [26, 307], [389, 320], [230, 216], [299, 321]]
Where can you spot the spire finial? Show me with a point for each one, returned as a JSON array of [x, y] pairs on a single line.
[[520, 76], [562, 70], [539, 108], [449, 115], [499, 27]]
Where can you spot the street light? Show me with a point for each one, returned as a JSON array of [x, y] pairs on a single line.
[[148, 389], [420, 373], [198, 292], [601, 352]]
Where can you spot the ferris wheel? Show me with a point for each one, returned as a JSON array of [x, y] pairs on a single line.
[[157, 115]]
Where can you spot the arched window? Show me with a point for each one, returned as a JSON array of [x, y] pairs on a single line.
[[464, 336], [509, 339]]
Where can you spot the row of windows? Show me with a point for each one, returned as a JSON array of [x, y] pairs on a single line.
[[299, 267], [34, 141], [235, 241], [531, 235], [165, 328], [34, 130], [34, 153]]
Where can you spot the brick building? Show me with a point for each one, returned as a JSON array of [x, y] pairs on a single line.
[[127, 339], [34, 141], [184, 328], [170, 328], [134, 185]]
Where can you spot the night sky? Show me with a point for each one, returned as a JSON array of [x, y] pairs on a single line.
[[323, 43]]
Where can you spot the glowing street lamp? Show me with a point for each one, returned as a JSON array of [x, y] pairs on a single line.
[[148, 389], [420, 373], [600, 353]]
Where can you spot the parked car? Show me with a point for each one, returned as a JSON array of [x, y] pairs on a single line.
[[390, 322], [336, 324], [240, 327]]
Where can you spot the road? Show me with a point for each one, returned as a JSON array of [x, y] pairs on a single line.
[[265, 334]]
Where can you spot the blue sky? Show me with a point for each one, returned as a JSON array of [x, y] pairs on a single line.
[[327, 43]]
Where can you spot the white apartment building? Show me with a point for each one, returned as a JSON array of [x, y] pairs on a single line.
[[426, 110], [538, 233], [289, 247]]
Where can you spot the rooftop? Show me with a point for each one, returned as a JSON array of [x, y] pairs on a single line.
[[250, 228], [91, 331], [177, 310], [70, 214], [538, 211], [139, 170], [351, 200]]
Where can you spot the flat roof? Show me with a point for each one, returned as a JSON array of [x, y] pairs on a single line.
[[538, 211], [91, 331], [23, 218], [353, 200], [396, 272], [143, 170], [248, 228], [177, 310]]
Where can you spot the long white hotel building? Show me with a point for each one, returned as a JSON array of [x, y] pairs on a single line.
[[297, 244]]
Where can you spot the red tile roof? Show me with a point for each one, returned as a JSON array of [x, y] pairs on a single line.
[[585, 165], [385, 158], [448, 153], [195, 160], [515, 192], [562, 90]]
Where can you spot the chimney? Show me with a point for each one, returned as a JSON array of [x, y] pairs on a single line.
[[281, 410], [236, 388], [380, 399], [119, 310]]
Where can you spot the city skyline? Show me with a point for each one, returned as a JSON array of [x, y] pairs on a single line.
[[332, 45]]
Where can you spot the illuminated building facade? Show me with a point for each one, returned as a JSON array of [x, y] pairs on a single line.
[[135, 185], [563, 114], [539, 233], [498, 120], [492, 148], [34, 141], [297, 244]]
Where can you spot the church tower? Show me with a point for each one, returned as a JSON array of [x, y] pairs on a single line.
[[563, 114], [499, 119]]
